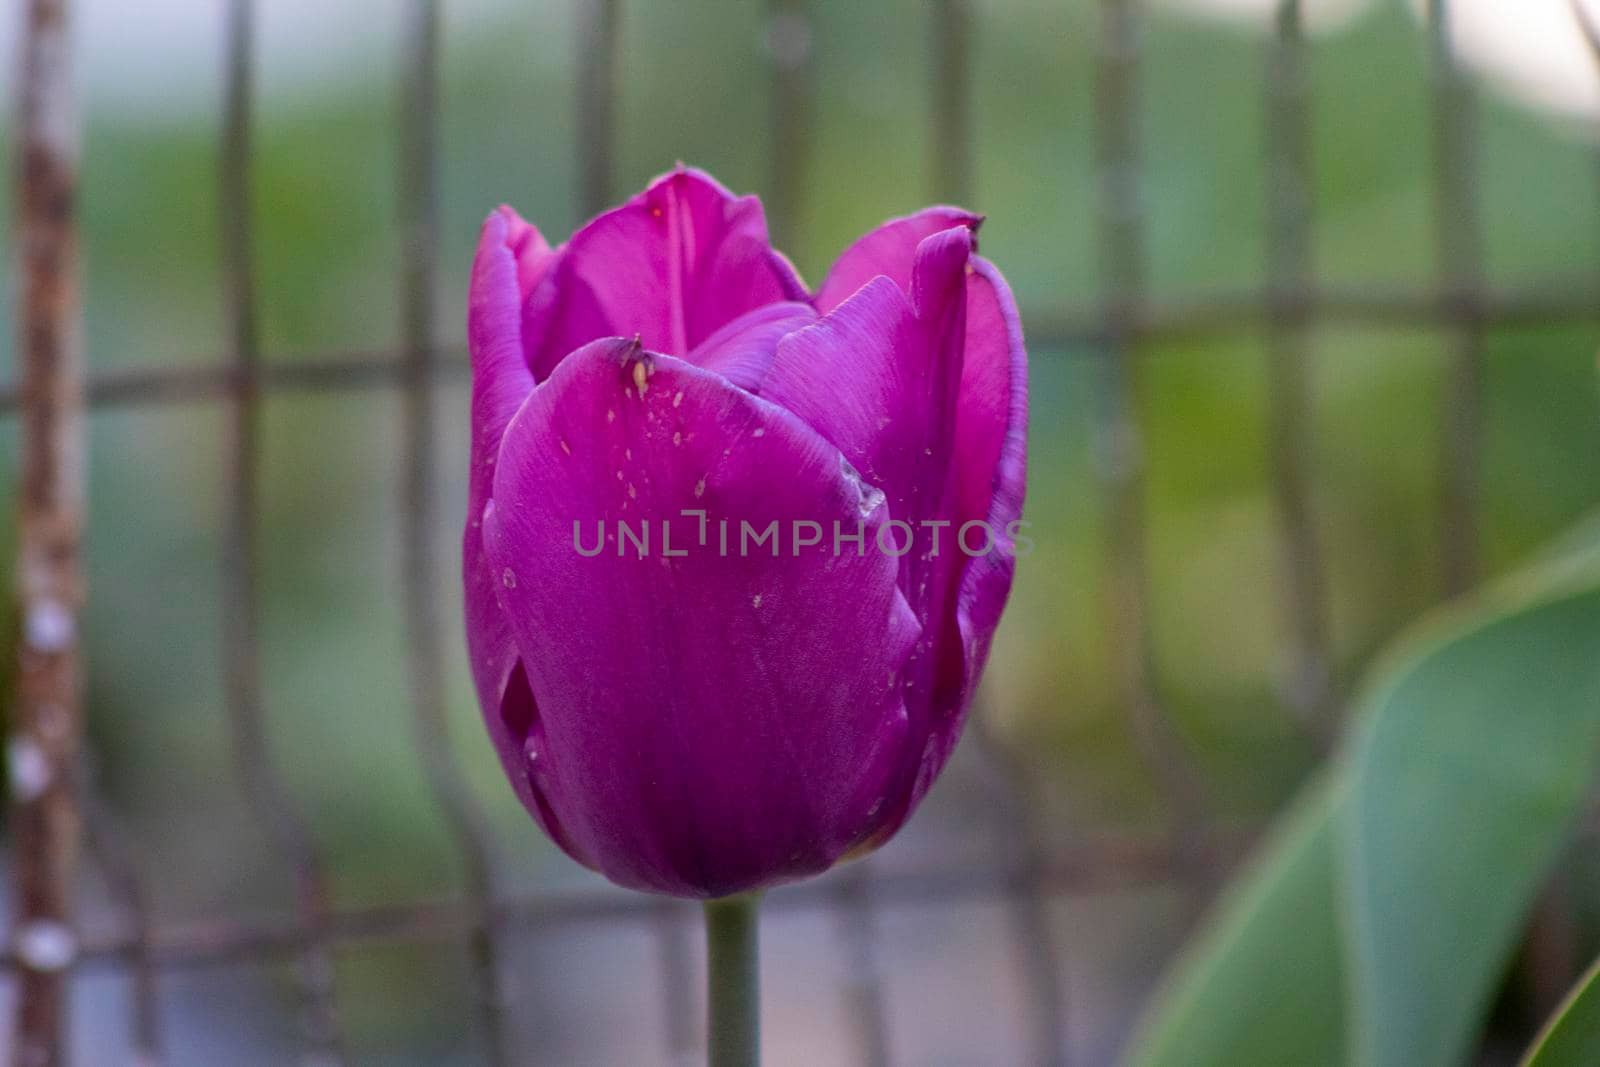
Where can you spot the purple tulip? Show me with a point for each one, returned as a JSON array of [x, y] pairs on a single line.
[[702, 718]]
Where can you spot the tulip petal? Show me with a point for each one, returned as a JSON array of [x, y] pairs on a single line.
[[990, 476], [743, 349], [671, 267], [712, 723], [527, 245], [511, 261], [889, 250], [879, 378]]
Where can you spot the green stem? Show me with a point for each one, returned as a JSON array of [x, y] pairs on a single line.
[[734, 995]]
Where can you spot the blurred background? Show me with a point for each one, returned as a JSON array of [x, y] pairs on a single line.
[[1244, 478]]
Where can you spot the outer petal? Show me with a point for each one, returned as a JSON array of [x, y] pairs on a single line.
[[671, 266], [512, 260], [990, 476], [708, 723], [865, 341], [880, 377], [890, 250]]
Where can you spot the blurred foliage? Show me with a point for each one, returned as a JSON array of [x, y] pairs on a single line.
[[694, 86], [1376, 925]]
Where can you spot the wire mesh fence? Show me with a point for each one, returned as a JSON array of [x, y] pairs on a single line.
[[55, 805]]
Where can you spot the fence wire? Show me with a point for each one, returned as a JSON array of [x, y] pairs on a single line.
[[54, 802]]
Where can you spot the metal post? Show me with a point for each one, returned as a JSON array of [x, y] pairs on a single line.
[[43, 749]]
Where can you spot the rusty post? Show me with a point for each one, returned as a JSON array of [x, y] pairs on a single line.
[[44, 744], [1458, 246], [418, 199], [1307, 683], [1122, 226], [269, 798]]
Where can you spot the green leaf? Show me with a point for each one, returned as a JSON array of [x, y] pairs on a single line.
[[1466, 777], [1572, 1036], [1264, 982], [1373, 925], [1570, 563]]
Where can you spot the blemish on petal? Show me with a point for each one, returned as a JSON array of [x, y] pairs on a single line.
[[677, 398], [760, 431], [633, 493], [755, 601], [508, 578], [637, 364], [700, 488], [627, 453], [677, 438], [868, 497], [566, 447], [611, 415]]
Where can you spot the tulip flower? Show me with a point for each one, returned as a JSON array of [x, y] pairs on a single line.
[[735, 549]]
